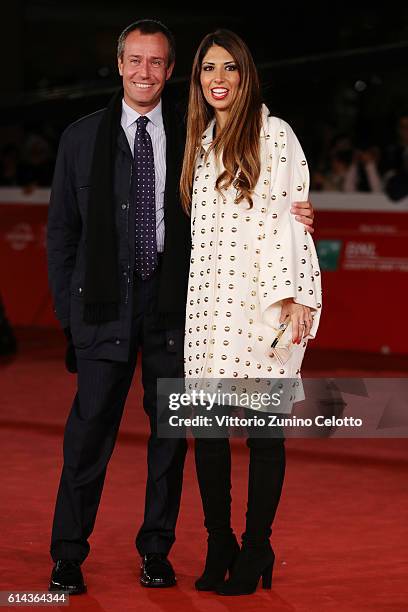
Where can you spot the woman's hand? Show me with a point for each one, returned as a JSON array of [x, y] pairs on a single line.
[[300, 316]]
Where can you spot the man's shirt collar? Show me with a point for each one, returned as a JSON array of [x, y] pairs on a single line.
[[131, 115]]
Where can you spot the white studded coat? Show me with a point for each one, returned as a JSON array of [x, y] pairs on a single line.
[[245, 261]]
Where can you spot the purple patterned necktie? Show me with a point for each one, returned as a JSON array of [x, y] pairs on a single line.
[[144, 190]]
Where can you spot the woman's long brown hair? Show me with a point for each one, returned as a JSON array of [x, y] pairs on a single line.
[[238, 141]]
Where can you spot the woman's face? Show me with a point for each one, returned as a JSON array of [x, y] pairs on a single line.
[[219, 78]]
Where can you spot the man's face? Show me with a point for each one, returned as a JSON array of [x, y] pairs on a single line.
[[144, 69]]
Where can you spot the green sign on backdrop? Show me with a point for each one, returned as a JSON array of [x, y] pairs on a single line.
[[329, 253]]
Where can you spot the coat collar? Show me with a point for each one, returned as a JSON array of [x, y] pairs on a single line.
[[208, 135], [265, 125]]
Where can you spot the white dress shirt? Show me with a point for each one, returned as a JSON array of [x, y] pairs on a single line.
[[157, 134]]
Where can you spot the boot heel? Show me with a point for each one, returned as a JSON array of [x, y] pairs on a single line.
[[221, 556], [267, 577]]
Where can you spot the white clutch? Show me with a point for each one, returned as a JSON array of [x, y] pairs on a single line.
[[281, 346]]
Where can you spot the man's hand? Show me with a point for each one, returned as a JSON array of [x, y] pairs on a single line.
[[304, 213]]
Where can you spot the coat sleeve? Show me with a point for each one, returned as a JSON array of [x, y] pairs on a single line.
[[289, 266], [63, 231]]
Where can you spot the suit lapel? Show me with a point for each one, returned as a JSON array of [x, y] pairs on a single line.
[[123, 142]]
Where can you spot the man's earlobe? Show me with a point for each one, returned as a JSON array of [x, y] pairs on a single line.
[[169, 71]]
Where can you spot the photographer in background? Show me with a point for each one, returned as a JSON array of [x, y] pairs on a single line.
[[350, 169], [396, 163]]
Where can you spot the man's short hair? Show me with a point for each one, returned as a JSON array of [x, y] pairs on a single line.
[[148, 26]]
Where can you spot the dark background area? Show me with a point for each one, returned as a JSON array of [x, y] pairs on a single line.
[[326, 69]]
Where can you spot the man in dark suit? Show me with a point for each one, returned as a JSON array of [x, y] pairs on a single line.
[[118, 259], [116, 289]]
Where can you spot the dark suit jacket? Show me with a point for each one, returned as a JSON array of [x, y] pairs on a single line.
[[66, 236]]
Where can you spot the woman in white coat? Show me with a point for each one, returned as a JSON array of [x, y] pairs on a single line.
[[252, 268]]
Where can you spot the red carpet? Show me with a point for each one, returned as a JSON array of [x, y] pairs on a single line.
[[341, 535]]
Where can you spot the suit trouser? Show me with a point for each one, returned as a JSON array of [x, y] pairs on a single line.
[[91, 431]]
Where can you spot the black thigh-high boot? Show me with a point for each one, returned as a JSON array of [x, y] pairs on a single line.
[[256, 558], [213, 465]]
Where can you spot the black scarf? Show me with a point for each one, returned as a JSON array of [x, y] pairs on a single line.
[[101, 265]]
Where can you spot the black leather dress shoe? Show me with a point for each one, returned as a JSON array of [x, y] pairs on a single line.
[[156, 571], [67, 577]]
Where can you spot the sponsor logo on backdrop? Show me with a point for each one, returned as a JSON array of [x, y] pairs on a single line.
[[364, 256], [20, 236], [329, 253]]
